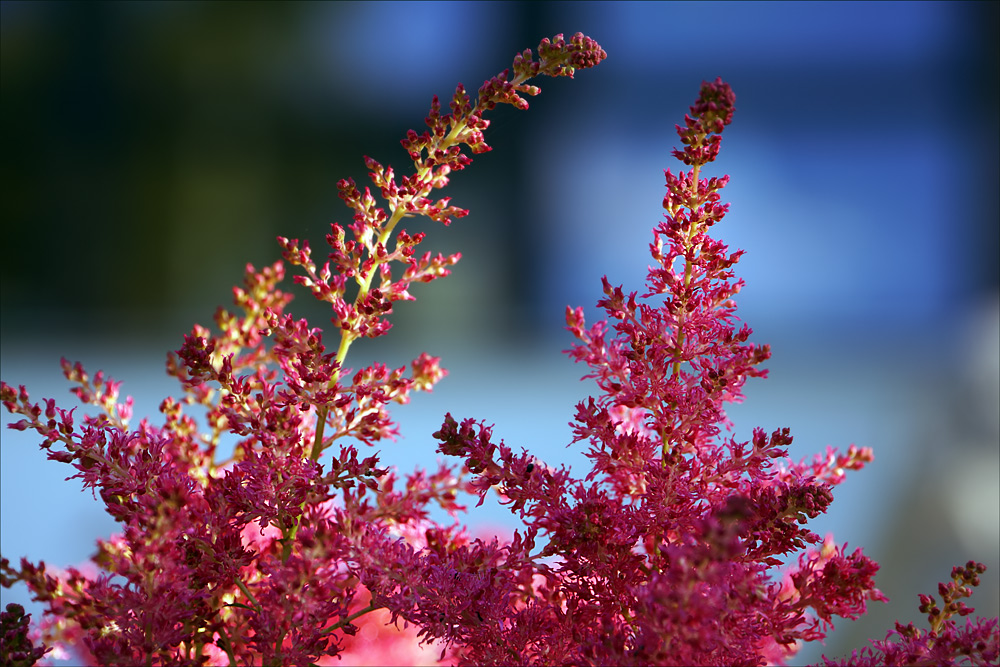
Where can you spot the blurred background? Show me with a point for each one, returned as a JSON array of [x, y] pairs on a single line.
[[149, 150]]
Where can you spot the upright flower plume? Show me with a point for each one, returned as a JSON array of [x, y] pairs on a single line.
[[665, 551], [297, 549], [257, 558]]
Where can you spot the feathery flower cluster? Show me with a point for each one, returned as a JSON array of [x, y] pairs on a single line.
[[945, 643], [16, 648], [299, 550]]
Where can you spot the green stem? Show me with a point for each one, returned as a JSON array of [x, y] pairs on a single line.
[[246, 591], [675, 371], [336, 626], [227, 644], [687, 278]]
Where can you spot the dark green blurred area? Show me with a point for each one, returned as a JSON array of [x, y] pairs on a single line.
[[143, 147], [150, 150]]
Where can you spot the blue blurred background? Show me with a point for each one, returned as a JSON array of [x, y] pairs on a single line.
[[149, 150]]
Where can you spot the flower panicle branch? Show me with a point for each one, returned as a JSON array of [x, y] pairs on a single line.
[[16, 647], [945, 642], [255, 557], [376, 245], [664, 550]]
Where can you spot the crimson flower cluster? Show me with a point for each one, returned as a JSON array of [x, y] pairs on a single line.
[[945, 643], [297, 549]]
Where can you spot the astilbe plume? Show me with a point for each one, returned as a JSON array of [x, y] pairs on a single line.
[[16, 648], [669, 550]]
